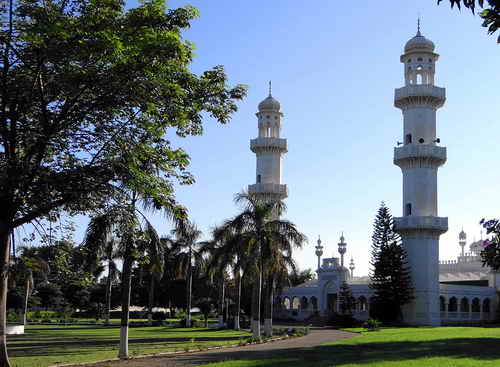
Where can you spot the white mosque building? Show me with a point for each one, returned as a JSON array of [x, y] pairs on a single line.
[[446, 292]]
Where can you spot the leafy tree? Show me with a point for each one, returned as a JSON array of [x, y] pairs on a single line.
[[298, 276], [84, 81], [490, 14], [491, 252], [390, 276], [347, 302]]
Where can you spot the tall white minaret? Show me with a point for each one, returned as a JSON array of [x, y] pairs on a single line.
[[319, 253], [419, 159], [269, 149], [462, 241]]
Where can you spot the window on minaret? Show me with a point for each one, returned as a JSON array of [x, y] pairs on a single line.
[[408, 209], [258, 178], [408, 139]]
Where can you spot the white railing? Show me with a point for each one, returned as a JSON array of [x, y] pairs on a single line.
[[268, 188], [420, 90], [278, 143], [416, 222], [420, 150]]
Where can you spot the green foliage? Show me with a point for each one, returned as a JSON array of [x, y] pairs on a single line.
[[372, 324], [390, 276], [490, 15], [491, 252]]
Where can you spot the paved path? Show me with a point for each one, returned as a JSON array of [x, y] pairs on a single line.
[[286, 348]]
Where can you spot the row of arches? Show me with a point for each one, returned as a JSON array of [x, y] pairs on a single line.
[[464, 305]]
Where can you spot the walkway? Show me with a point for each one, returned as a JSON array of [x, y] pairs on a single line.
[[316, 337]]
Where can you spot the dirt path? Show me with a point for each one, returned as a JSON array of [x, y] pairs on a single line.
[[257, 351]]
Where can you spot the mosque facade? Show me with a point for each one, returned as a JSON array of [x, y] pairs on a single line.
[[446, 292]]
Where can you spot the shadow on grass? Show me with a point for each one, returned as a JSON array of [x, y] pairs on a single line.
[[480, 349]]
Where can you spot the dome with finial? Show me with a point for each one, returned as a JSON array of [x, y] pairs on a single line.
[[269, 104], [419, 43], [462, 235]]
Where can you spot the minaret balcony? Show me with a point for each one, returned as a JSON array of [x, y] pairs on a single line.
[[419, 154], [269, 189], [412, 223], [419, 94], [264, 144]]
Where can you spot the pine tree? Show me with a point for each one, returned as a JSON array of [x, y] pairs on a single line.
[[346, 300], [390, 277]]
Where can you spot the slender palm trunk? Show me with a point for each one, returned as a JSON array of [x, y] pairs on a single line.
[[126, 284], [25, 306], [4, 264], [151, 297], [238, 302], [189, 286], [109, 284], [268, 307], [220, 311], [256, 295]]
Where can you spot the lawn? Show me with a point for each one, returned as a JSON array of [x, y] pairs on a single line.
[[398, 347], [45, 345]]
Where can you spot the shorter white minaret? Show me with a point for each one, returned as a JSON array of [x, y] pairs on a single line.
[[342, 249], [462, 241], [319, 252], [351, 267]]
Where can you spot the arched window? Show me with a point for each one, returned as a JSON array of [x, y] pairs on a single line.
[[296, 303], [314, 302], [259, 177], [286, 303], [442, 304], [476, 305], [486, 305], [464, 305], [304, 303], [408, 209], [362, 303], [408, 139], [452, 305]]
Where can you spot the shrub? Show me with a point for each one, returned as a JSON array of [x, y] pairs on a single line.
[[342, 321], [12, 317], [372, 324], [159, 316]]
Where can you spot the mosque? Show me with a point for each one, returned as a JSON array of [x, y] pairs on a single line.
[[446, 292]]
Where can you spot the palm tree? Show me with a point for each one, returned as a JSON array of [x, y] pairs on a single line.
[[23, 270], [186, 247], [260, 229], [100, 244]]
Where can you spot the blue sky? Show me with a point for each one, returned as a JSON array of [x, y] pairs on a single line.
[[334, 66]]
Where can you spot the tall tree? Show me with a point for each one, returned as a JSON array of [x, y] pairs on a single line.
[[347, 301], [79, 80], [390, 276], [491, 252], [489, 14]]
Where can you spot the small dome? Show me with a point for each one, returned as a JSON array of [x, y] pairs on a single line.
[[269, 104], [419, 43], [462, 235]]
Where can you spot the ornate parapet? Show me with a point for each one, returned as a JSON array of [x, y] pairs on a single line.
[[412, 223], [419, 155], [268, 145], [421, 94], [269, 190]]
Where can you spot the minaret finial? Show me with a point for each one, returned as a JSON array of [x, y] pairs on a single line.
[[418, 26], [270, 88]]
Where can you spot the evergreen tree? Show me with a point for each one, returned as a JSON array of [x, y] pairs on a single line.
[[390, 277], [346, 299]]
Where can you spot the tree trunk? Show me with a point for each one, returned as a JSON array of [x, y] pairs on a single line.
[[238, 303], [126, 284], [268, 307], [109, 285], [25, 306], [189, 286], [220, 308], [4, 264], [256, 294], [151, 297]]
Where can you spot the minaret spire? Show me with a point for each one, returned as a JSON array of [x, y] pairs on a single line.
[[270, 89], [418, 26]]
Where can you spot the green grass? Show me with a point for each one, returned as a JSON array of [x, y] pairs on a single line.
[[398, 347], [45, 345]]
